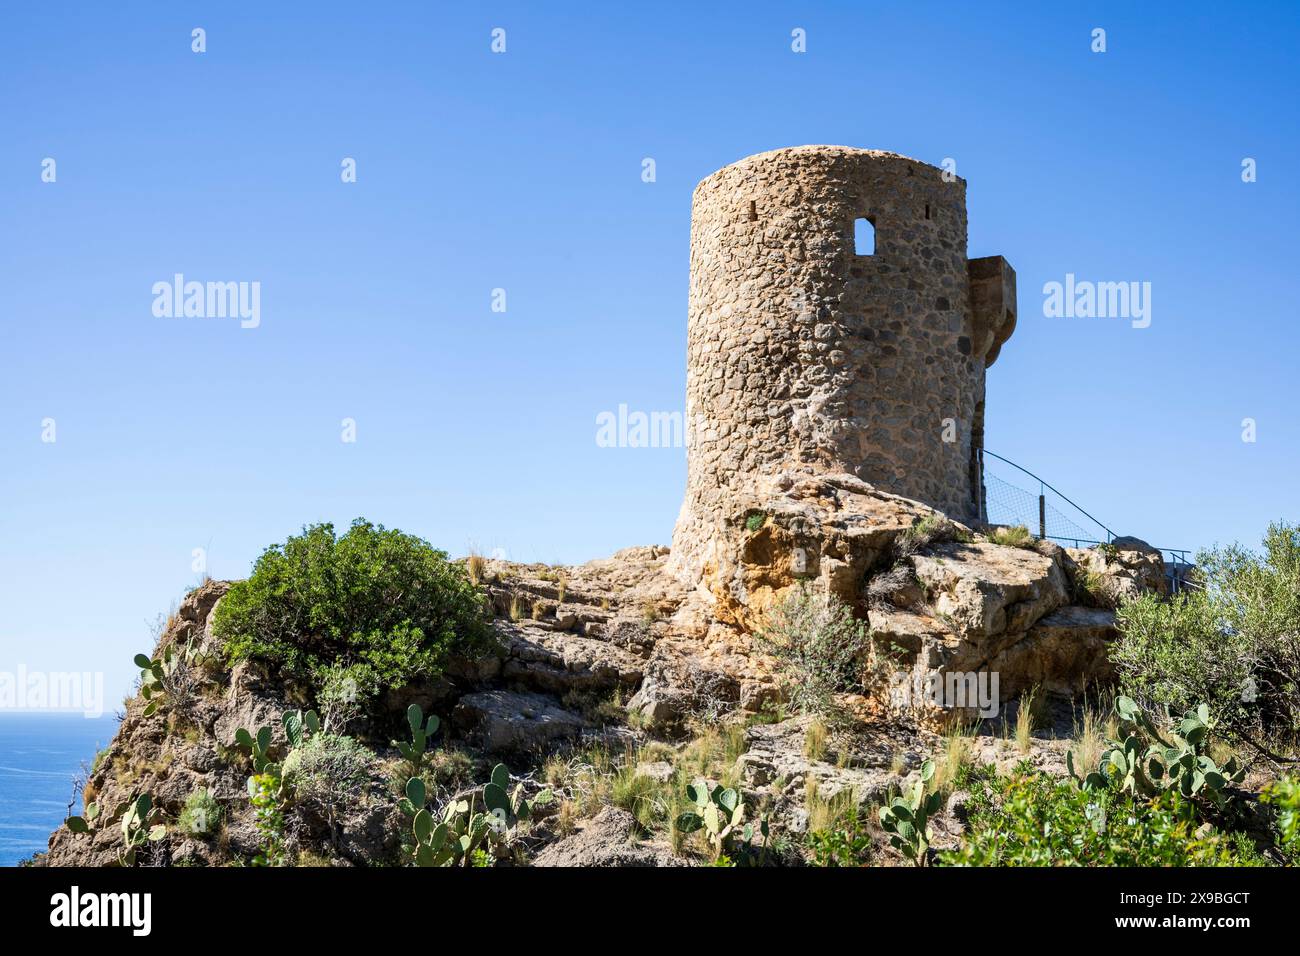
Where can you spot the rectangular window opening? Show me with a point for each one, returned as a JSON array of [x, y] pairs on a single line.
[[864, 237]]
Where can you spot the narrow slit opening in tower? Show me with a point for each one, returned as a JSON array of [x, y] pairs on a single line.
[[927, 210], [753, 211], [864, 237]]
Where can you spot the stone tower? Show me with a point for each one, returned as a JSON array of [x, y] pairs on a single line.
[[807, 354]]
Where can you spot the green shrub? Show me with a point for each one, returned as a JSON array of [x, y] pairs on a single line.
[[266, 794], [201, 815], [1234, 645], [1032, 819], [384, 605], [847, 842], [1284, 796], [822, 650], [328, 773]]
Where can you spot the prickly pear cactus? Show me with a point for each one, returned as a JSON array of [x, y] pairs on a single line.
[[1149, 761], [907, 818]]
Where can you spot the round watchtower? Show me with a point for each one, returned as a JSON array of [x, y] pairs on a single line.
[[809, 347]]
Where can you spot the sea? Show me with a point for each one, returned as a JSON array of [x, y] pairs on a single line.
[[40, 755]]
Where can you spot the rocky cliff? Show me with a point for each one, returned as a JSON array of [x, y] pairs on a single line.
[[618, 657]]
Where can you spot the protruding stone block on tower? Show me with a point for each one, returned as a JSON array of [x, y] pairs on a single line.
[[993, 304]]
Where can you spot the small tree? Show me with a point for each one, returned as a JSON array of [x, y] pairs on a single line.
[[1233, 644]]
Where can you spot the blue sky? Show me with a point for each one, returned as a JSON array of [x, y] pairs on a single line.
[[522, 171]]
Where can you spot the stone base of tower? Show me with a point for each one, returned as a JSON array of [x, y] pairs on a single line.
[[794, 528], [945, 600]]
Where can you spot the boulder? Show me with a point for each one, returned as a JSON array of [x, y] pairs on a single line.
[[608, 839], [985, 590], [1122, 570], [825, 530], [660, 771], [558, 662], [678, 685], [1062, 654], [510, 722]]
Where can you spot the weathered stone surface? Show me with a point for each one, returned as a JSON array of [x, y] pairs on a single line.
[[1063, 653], [992, 609], [507, 721], [679, 684], [984, 590], [193, 619], [906, 630], [775, 764], [660, 771], [1123, 570], [659, 706], [608, 839], [558, 662], [826, 531]]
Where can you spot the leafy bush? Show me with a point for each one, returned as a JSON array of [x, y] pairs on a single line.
[[845, 843], [1235, 644], [384, 605], [822, 650], [327, 773], [1284, 796], [1032, 819], [201, 815], [267, 797]]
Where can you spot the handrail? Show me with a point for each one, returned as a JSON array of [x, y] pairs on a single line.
[[1177, 556], [985, 451], [1176, 569]]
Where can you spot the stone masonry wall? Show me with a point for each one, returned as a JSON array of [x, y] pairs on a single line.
[[803, 354]]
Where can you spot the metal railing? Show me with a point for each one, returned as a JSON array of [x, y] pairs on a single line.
[[1004, 503]]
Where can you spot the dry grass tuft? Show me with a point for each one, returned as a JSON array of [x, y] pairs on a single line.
[[1015, 536], [956, 755], [814, 741], [475, 567], [1025, 720]]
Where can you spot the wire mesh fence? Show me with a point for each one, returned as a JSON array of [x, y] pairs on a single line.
[[1010, 504], [1016, 496]]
